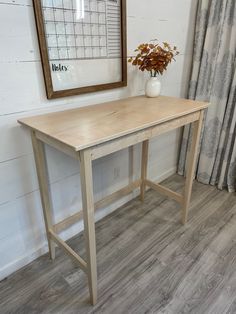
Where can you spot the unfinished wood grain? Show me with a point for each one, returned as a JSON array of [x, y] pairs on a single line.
[[117, 195], [62, 147], [109, 147], [165, 191], [67, 222], [86, 178], [144, 165], [191, 165], [41, 168], [68, 250], [114, 132], [85, 127]]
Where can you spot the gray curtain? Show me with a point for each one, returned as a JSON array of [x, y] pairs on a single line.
[[214, 79]]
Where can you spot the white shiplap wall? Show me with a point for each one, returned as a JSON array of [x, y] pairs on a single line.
[[22, 93]]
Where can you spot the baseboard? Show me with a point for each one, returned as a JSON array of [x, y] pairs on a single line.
[[26, 259], [22, 261]]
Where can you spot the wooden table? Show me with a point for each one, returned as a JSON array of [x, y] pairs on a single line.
[[92, 132]]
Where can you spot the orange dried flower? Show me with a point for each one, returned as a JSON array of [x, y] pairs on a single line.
[[153, 57]]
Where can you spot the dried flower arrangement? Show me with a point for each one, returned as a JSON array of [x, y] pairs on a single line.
[[153, 57]]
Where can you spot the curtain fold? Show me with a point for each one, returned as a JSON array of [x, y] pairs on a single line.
[[213, 79]]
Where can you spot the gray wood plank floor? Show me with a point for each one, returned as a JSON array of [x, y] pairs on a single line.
[[147, 262]]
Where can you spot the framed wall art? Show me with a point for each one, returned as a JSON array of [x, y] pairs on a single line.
[[82, 45]]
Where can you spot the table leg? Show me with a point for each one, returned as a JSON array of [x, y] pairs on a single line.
[[41, 167], [191, 165], [89, 221], [144, 168]]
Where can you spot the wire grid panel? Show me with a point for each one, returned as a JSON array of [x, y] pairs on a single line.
[[82, 29]]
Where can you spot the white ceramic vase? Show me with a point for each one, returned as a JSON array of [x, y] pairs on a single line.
[[153, 87]]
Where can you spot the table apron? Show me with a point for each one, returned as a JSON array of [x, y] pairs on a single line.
[[123, 142], [62, 147]]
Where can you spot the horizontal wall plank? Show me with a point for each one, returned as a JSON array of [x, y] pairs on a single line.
[[16, 2], [18, 177], [19, 31]]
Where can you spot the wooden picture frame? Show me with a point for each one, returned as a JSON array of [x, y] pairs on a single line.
[[110, 59]]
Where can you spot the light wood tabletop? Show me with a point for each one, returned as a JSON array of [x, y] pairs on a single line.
[[92, 132], [88, 126]]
